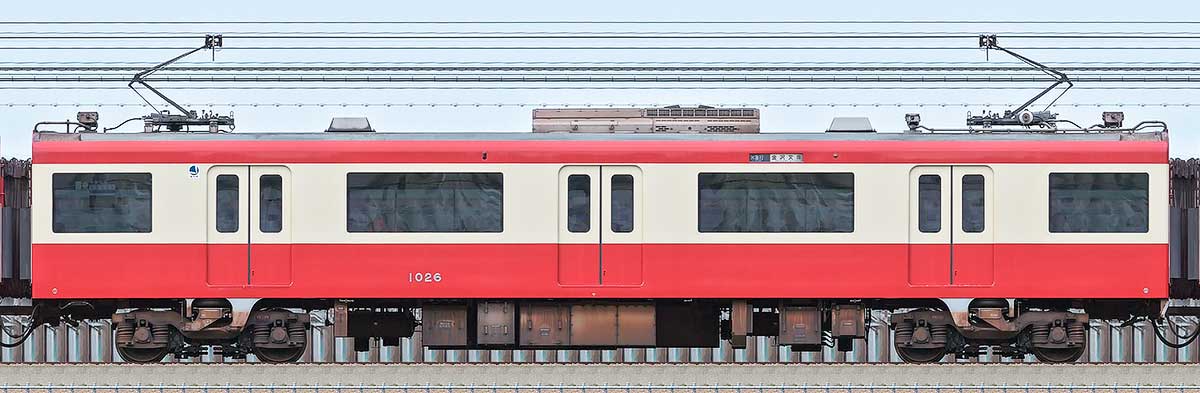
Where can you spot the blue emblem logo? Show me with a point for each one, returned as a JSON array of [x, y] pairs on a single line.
[[193, 171]]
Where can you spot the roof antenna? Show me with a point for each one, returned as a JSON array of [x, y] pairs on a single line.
[[187, 118], [1021, 116]]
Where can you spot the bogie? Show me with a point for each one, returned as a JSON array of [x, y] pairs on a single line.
[[274, 335], [1051, 336]]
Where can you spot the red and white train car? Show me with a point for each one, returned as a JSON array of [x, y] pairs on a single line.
[[596, 240]]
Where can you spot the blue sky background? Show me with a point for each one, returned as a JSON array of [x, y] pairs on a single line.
[[879, 105]]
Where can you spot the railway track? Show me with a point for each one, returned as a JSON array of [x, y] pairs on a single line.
[[683, 378], [92, 343], [600, 389]]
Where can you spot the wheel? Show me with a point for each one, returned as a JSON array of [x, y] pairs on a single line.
[[1057, 355], [283, 342], [278, 355], [921, 355], [142, 355], [1073, 333]]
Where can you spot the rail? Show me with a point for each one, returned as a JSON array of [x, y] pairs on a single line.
[[607, 388], [810, 388], [92, 343]]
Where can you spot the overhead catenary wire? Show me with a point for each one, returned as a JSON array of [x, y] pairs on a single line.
[[143, 64], [599, 79], [597, 68], [787, 32], [592, 48], [609, 36], [612, 22], [334, 74], [590, 105], [593, 87], [602, 77], [1120, 79]]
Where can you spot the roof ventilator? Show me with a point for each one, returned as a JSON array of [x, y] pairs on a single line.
[[349, 124], [671, 119], [850, 124]]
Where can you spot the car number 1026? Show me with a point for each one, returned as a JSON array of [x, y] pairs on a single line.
[[424, 277]]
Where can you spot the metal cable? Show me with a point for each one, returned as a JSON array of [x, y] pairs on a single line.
[[588, 105], [1173, 344], [698, 68], [739, 48], [972, 33], [647, 36], [456, 87], [613, 22], [666, 76], [601, 76], [598, 79], [143, 64]]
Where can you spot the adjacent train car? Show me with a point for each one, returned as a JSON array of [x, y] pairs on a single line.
[[655, 238]]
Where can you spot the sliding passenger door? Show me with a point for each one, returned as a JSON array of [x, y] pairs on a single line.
[[972, 239], [621, 226], [600, 226], [950, 226], [249, 234], [929, 225], [228, 209], [270, 226], [579, 225]]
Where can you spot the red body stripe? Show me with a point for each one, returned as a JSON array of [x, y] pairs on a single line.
[[667, 271], [424, 151]]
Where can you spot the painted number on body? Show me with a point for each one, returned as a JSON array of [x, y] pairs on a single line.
[[424, 277]]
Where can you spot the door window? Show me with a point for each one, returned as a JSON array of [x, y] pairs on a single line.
[[227, 203], [972, 200], [270, 203], [622, 203], [579, 203], [929, 199]]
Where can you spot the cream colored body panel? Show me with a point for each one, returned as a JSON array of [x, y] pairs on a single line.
[[667, 211]]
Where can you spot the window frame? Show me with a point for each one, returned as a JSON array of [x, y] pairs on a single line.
[[262, 205], [149, 205], [1050, 202], [853, 201], [586, 224], [632, 202], [981, 212], [237, 204], [347, 211], [936, 211]]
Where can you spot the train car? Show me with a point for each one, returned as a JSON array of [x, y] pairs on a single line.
[[676, 233]]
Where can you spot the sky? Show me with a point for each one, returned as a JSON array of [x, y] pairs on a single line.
[[789, 109]]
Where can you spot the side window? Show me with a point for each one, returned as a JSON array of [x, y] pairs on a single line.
[[622, 203], [101, 202], [579, 203], [929, 198], [451, 202], [227, 203], [776, 202], [270, 203], [1099, 202], [973, 216]]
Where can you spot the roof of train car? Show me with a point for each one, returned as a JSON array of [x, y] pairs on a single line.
[[527, 147], [564, 136]]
